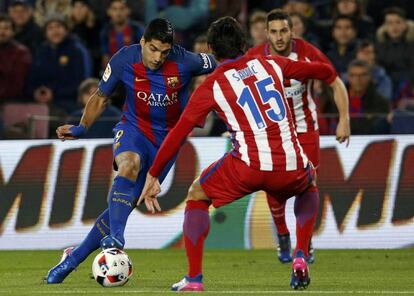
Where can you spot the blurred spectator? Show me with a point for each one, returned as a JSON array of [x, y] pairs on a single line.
[[57, 115], [234, 8], [395, 48], [300, 30], [120, 31], [303, 7], [100, 7], [15, 60], [83, 23], [374, 8], [257, 27], [26, 30], [325, 105], [264, 5], [306, 9], [208, 124], [189, 17], [366, 52], [45, 9], [200, 45], [60, 64], [343, 47], [355, 9], [102, 128], [213, 125], [366, 106]]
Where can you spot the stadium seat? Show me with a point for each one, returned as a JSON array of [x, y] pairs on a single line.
[[19, 123], [402, 122]]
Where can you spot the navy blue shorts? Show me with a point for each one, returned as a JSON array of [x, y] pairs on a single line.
[[128, 138]]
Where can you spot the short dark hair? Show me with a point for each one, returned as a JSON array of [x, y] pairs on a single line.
[[359, 63], [114, 1], [345, 17], [226, 38], [24, 3], [278, 14], [86, 85], [4, 18], [160, 29], [395, 10], [201, 39], [364, 44], [300, 16]]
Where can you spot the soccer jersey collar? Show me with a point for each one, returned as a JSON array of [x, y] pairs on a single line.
[[226, 61]]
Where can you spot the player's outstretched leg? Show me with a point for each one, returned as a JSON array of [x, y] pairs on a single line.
[[306, 206], [277, 209], [72, 258], [195, 230]]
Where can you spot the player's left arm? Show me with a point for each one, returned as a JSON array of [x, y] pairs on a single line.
[[301, 70], [340, 94], [343, 129], [196, 111], [200, 63]]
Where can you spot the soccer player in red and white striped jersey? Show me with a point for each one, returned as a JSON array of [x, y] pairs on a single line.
[[247, 93], [302, 105]]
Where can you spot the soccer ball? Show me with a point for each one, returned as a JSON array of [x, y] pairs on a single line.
[[112, 267]]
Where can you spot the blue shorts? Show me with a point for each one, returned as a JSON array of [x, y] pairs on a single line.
[[128, 138]]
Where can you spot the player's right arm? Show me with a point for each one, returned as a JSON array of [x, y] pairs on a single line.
[[98, 101], [93, 109]]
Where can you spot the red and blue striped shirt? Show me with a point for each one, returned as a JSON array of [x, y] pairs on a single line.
[[154, 99]]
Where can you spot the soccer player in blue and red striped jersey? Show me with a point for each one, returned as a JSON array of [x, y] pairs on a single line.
[[156, 75]]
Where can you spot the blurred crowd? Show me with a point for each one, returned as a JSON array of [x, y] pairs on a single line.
[[52, 53]]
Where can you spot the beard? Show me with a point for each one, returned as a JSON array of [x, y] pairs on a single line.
[[281, 50]]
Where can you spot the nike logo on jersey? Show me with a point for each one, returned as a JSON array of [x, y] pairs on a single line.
[[140, 79], [120, 193]]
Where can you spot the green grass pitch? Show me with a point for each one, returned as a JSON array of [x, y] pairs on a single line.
[[234, 272]]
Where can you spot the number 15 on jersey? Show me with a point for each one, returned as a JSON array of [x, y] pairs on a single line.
[[270, 97]]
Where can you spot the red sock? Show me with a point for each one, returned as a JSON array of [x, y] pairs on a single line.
[[306, 211], [195, 229], [277, 210]]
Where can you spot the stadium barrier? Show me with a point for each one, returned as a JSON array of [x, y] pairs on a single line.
[[51, 193]]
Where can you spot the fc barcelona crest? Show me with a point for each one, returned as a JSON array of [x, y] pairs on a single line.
[[173, 81]]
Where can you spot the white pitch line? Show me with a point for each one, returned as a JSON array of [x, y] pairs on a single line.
[[219, 292]]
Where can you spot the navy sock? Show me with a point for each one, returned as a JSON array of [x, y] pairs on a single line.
[[92, 241], [121, 203]]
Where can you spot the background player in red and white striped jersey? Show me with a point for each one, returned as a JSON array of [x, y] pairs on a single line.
[[299, 96], [247, 93]]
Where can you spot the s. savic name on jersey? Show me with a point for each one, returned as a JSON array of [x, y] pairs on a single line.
[[157, 99], [244, 73]]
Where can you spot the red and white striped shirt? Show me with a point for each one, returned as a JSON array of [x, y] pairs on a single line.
[[299, 93], [247, 93]]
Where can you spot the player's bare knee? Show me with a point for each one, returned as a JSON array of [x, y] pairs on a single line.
[[196, 192], [128, 165]]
